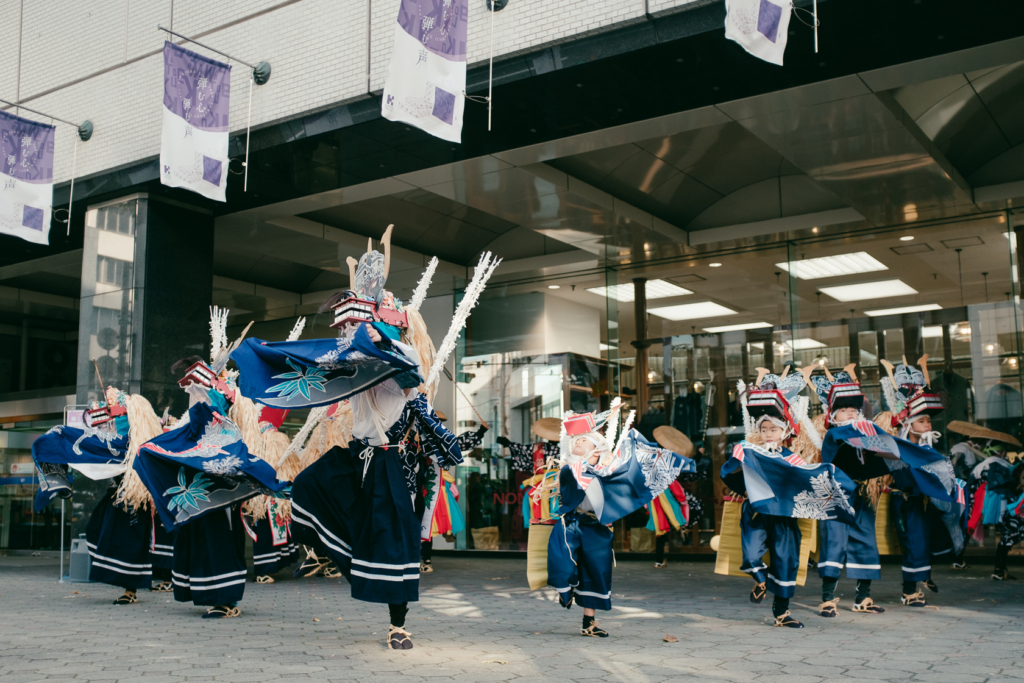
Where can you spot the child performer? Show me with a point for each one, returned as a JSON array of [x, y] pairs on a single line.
[[780, 488], [600, 483], [911, 405]]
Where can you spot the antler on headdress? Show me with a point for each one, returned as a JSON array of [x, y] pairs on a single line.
[[386, 242]]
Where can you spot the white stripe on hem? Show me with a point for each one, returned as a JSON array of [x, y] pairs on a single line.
[[381, 577], [829, 563], [123, 564], [918, 569], [200, 589], [781, 583], [318, 523], [606, 596], [850, 565], [186, 577], [378, 565], [319, 535], [121, 571]]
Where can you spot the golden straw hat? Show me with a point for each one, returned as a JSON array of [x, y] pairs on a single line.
[[978, 432], [549, 428], [441, 416], [674, 440]]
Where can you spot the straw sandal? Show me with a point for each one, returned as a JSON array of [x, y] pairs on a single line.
[[787, 621], [264, 579], [398, 639], [222, 612], [829, 608], [758, 592], [867, 606], [162, 587], [129, 598], [914, 599], [594, 630]]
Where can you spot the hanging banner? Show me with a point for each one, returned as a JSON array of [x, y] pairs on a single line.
[[26, 178], [194, 144], [426, 83], [760, 26]]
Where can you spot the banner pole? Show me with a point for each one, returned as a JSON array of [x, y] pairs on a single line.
[[71, 193], [815, 26], [491, 76], [248, 125]]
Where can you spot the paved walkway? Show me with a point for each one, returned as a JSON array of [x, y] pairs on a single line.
[[477, 621]]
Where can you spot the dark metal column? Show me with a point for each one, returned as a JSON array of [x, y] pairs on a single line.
[[640, 343]]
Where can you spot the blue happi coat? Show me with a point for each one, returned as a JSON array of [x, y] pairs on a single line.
[[201, 467], [98, 454], [864, 451], [317, 372], [640, 471], [780, 484]]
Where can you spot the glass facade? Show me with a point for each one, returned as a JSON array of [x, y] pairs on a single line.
[[534, 348]]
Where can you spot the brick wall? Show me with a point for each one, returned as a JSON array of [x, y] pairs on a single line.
[[102, 61]]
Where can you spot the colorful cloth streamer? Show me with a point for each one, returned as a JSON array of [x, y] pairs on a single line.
[[448, 519], [669, 510]]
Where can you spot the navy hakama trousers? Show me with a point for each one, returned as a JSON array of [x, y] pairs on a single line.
[[851, 545], [780, 538], [914, 531], [580, 560], [209, 559], [366, 522], [118, 544]]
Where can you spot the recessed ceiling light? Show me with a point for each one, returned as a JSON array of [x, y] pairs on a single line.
[[831, 266], [601, 346], [704, 309], [734, 328], [906, 238], [883, 289], [904, 309], [714, 265], [553, 286], [803, 344], [655, 289]]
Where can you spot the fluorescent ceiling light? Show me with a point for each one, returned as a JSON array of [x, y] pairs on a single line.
[[931, 331], [883, 289], [655, 289], [601, 346], [803, 344], [734, 328], [904, 309], [704, 309], [831, 266]]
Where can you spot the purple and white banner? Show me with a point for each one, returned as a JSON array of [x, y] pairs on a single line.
[[426, 83], [760, 26], [194, 144], [26, 178]]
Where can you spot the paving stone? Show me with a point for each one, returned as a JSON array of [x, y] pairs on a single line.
[[466, 624]]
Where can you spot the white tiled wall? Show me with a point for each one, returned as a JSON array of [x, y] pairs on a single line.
[[101, 59]]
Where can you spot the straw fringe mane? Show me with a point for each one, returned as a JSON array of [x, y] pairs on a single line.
[[418, 338], [332, 431], [143, 425], [246, 416], [805, 445]]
